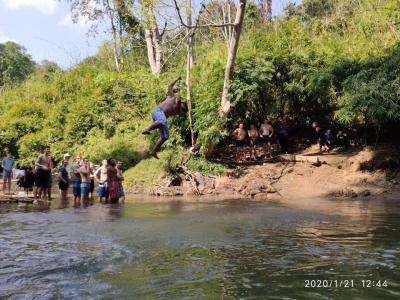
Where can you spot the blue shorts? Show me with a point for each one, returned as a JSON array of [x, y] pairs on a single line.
[[85, 188], [159, 116], [76, 188], [102, 190]]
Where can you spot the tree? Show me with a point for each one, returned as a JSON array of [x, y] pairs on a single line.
[[15, 64], [119, 16], [266, 11], [232, 49], [153, 37]]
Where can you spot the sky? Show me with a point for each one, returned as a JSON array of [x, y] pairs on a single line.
[[45, 29]]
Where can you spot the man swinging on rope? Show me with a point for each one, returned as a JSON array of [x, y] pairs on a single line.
[[171, 106]]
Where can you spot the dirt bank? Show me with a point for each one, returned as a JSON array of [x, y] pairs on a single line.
[[309, 174]]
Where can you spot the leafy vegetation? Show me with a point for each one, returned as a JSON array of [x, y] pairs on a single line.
[[334, 61]]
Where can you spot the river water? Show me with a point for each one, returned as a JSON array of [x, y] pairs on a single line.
[[202, 250]]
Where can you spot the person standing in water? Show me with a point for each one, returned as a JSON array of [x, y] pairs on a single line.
[[76, 180], [113, 179], [91, 190], [7, 165], [171, 106], [63, 182], [43, 167], [101, 177], [84, 171], [121, 194]]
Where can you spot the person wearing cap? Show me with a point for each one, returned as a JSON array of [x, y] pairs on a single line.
[[67, 157]]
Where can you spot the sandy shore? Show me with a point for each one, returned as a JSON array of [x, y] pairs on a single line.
[[352, 174]]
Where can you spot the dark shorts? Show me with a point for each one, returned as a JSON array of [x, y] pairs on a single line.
[[265, 139], [159, 116], [253, 142], [91, 189], [63, 186], [7, 174], [114, 200], [43, 178], [240, 143], [76, 188]]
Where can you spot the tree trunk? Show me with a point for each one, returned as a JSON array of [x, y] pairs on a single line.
[[232, 51], [150, 50], [189, 64], [115, 37], [266, 11], [153, 38]]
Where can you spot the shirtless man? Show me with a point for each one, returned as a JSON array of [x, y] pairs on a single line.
[[101, 177], [266, 133], [43, 167], [253, 137], [239, 136], [171, 106], [84, 170]]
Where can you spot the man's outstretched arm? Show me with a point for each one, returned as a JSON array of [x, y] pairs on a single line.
[[171, 86]]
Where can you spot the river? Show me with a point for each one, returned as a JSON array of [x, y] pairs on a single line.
[[231, 249]]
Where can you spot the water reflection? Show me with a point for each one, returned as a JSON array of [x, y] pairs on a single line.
[[205, 250]]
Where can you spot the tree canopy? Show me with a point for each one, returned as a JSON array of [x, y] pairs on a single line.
[[15, 64], [334, 61]]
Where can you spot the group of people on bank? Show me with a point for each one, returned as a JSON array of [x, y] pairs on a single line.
[[253, 136], [254, 142], [81, 175]]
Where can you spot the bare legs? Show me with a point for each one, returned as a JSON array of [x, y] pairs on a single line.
[[159, 143], [153, 126], [7, 184]]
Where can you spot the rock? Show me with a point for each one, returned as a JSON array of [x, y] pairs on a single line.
[[349, 193], [175, 180], [365, 193], [261, 196]]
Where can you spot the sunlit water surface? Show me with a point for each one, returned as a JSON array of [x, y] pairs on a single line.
[[199, 250]]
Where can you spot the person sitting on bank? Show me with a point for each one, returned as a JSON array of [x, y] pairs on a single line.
[[171, 106], [253, 138], [342, 139], [266, 133], [239, 137]]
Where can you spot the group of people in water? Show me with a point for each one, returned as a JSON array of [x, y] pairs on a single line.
[[81, 174]]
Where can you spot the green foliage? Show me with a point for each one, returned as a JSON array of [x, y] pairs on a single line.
[[15, 64], [335, 60]]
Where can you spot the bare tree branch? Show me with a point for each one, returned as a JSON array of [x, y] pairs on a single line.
[[202, 25]]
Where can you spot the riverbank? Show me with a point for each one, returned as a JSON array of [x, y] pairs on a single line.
[[353, 173]]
